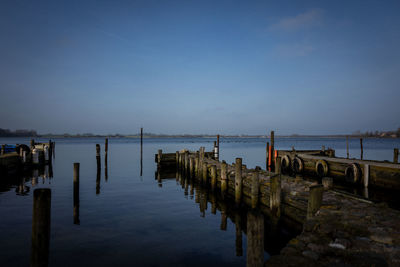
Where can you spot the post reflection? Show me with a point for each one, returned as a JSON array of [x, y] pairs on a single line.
[[41, 227]]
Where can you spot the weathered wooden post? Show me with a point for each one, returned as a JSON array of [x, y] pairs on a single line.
[[177, 159], [272, 150], [347, 146], [76, 193], [239, 239], [98, 156], [267, 158], [201, 159], [41, 227], [224, 177], [159, 153], [238, 180], [396, 155], [278, 168], [218, 149], [213, 177], [98, 181], [186, 162], [275, 195], [141, 140], [255, 239], [205, 173], [191, 166], [361, 146], [254, 189], [314, 200], [106, 146], [366, 175], [196, 163]]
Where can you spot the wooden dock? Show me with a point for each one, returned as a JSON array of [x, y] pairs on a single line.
[[337, 228]]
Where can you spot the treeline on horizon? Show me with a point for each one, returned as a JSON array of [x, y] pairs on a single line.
[[33, 133]]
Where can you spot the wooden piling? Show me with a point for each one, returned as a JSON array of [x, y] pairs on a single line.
[[238, 180], [159, 156], [186, 162], [314, 200], [213, 177], [191, 167], [272, 148], [141, 140], [362, 150], [215, 150], [396, 155], [98, 156], [275, 195], [218, 148], [267, 158], [347, 146], [278, 168], [205, 173], [41, 227], [254, 189], [106, 146], [224, 177], [177, 159], [366, 176], [76, 193], [255, 239]]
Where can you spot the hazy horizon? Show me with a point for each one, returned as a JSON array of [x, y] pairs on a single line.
[[309, 67]]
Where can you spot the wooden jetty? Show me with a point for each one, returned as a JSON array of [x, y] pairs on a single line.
[[337, 228]]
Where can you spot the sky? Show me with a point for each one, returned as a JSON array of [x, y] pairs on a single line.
[[200, 67]]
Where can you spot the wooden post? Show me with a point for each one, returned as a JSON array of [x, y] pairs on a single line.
[[218, 149], [141, 140], [275, 195], [314, 200], [361, 146], [347, 146], [272, 154], [177, 159], [396, 155], [278, 165], [76, 193], [255, 239], [205, 170], [224, 177], [215, 150], [366, 175], [98, 181], [106, 146], [191, 166], [254, 189], [98, 156], [238, 180], [267, 158], [239, 239], [196, 164], [186, 162], [213, 177], [159, 156], [41, 227]]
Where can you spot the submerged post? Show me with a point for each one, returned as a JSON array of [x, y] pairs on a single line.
[[177, 159], [141, 141], [314, 200], [159, 156], [396, 155], [275, 197], [238, 180], [106, 146], [254, 189], [41, 227], [224, 177], [213, 177], [347, 146], [361, 146], [76, 193]]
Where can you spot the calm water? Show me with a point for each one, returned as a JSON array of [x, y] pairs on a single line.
[[129, 219]]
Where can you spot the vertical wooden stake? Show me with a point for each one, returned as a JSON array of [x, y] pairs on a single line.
[[238, 180], [361, 146], [254, 189], [191, 166], [76, 193], [106, 146], [159, 156], [213, 177], [98, 156], [41, 227], [218, 148], [272, 162], [396, 155], [186, 162], [224, 177], [275, 195], [205, 173], [314, 200], [347, 146], [267, 158], [366, 175], [278, 165]]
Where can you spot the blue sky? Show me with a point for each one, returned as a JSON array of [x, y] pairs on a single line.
[[229, 67]]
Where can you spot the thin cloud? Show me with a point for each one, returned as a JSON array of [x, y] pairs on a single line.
[[309, 18]]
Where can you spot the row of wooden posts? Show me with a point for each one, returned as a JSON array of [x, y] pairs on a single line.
[[194, 165]]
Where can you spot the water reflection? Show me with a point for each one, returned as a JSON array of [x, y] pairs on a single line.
[[265, 235], [41, 227]]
